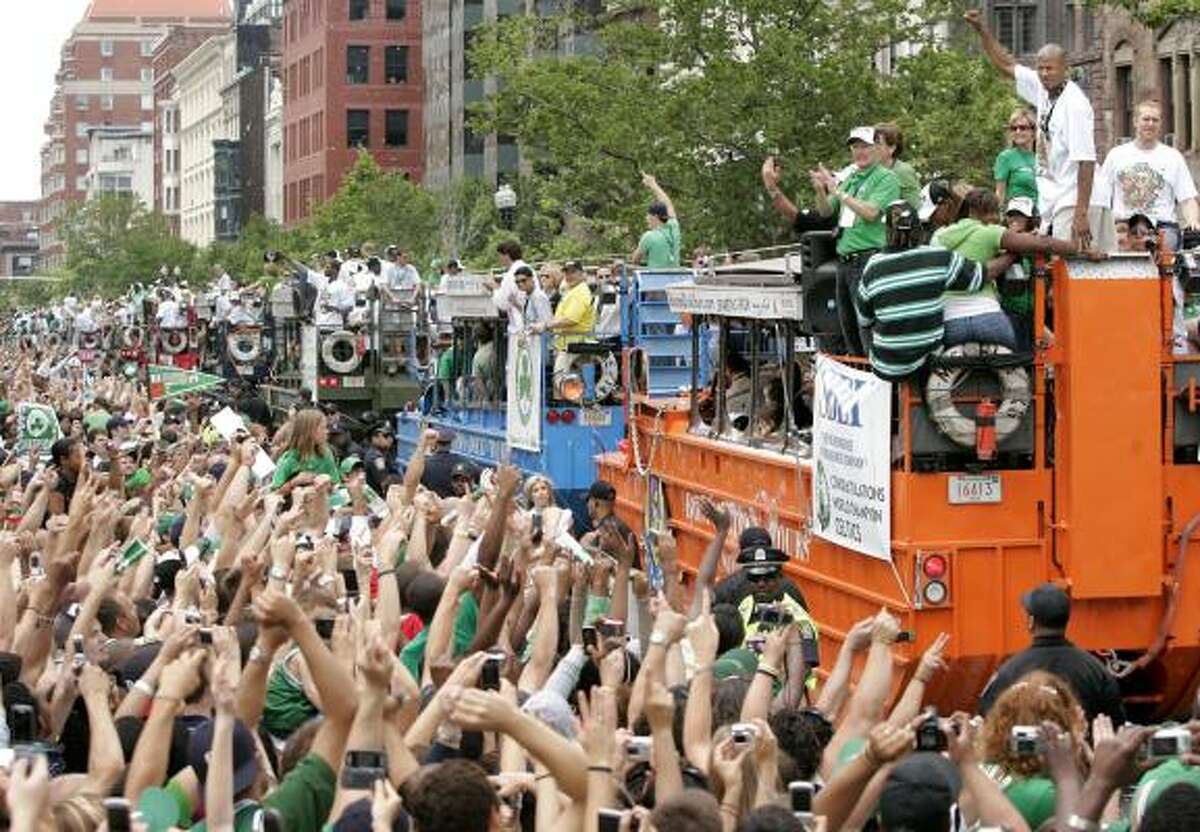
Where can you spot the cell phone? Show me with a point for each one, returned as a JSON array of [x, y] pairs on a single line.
[[536, 527], [802, 792], [609, 820], [489, 674], [79, 659], [1025, 741], [637, 749], [610, 627], [21, 722], [324, 627], [905, 636], [930, 736], [810, 645], [350, 577], [206, 636], [363, 768], [590, 637], [1165, 743], [116, 812]]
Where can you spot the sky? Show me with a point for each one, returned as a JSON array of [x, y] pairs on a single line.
[[33, 35]]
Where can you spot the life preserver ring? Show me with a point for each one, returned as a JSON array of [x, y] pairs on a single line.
[[174, 341], [133, 337], [609, 378], [334, 348], [53, 341], [244, 347], [28, 342], [959, 427], [89, 340]]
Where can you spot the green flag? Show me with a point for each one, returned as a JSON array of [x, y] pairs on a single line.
[[37, 427], [172, 382]]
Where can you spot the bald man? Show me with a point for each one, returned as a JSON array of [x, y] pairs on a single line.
[[1066, 144]]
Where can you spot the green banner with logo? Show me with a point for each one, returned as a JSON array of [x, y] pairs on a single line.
[[172, 382], [37, 427]]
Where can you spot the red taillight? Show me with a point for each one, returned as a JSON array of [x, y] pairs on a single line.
[[568, 417], [328, 382], [934, 566], [552, 417]]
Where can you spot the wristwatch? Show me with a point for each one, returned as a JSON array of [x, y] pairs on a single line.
[[1082, 824], [278, 573], [658, 638]]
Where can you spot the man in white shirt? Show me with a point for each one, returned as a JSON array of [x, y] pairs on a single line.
[[504, 296], [168, 315], [335, 300], [533, 303], [1066, 142], [1148, 177]]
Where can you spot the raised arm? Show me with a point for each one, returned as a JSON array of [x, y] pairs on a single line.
[[837, 686], [995, 51], [106, 761], [866, 705], [659, 194], [779, 201], [706, 575]]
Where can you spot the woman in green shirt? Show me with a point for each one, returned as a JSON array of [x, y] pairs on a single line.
[[1016, 166], [889, 142], [307, 453]]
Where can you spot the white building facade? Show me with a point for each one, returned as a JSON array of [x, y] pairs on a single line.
[[204, 118], [121, 161], [273, 180]]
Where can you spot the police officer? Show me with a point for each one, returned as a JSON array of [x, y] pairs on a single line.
[[763, 586], [439, 466], [1048, 611], [379, 460]]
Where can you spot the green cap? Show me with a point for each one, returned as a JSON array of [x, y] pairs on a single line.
[[349, 464], [138, 480], [165, 522], [1034, 798], [159, 810], [1157, 780], [736, 662]]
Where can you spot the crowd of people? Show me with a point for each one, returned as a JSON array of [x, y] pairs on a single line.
[[267, 627]]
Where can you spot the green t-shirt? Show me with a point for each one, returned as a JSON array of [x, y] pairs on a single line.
[[878, 186], [290, 464], [974, 240], [445, 365], [1017, 169], [465, 623], [910, 185], [286, 707], [660, 246]]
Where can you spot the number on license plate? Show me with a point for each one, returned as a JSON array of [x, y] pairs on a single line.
[[975, 488], [597, 417], [354, 381]]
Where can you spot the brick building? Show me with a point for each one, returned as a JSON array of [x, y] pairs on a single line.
[[352, 79], [18, 238], [105, 78]]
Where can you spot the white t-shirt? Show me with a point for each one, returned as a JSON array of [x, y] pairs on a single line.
[[1072, 139], [506, 296], [168, 315], [1151, 182]]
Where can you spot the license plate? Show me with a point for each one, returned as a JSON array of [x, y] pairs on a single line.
[[597, 417], [974, 488], [354, 381], [245, 370]]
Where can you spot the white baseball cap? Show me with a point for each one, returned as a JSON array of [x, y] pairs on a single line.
[[861, 134], [1022, 205]]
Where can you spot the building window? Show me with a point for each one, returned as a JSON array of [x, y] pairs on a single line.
[[81, 183], [472, 142], [147, 48], [358, 9], [1016, 26], [106, 48], [396, 134], [147, 75], [1124, 108], [147, 102], [358, 128], [1166, 85], [1069, 17], [106, 102], [81, 129], [106, 73], [358, 63], [396, 64], [81, 156], [319, 69], [81, 102], [1185, 141], [396, 9]]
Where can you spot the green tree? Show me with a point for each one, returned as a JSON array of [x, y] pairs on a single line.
[[113, 241], [701, 93], [1154, 13]]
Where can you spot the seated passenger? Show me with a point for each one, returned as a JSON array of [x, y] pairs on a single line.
[[899, 298], [1016, 284], [976, 316]]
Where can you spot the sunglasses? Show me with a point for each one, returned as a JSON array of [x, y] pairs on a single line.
[[1022, 127], [762, 578]]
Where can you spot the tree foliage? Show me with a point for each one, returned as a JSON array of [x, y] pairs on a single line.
[[705, 93], [1154, 13], [112, 241]]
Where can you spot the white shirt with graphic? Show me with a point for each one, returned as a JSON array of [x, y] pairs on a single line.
[[1151, 182]]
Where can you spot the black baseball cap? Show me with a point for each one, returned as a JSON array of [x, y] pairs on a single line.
[[245, 760], [919, 793], [756, 552], [603, 491], [1048, 605]]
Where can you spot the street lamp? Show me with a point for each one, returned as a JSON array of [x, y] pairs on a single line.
[[505, 199]]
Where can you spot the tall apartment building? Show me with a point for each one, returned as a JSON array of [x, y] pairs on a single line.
[[121, 161], [352, 79], [105, 79]]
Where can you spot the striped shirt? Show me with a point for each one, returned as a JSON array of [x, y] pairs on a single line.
[[900, 299]]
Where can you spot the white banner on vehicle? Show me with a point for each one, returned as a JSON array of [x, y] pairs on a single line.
[[524, 392], [852, 459]]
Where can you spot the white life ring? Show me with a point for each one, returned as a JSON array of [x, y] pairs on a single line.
[[28, 342], [244, 347], [174, 341], [959, 427], [329, 346], [53, 341], [132, 337], [89, 340]]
